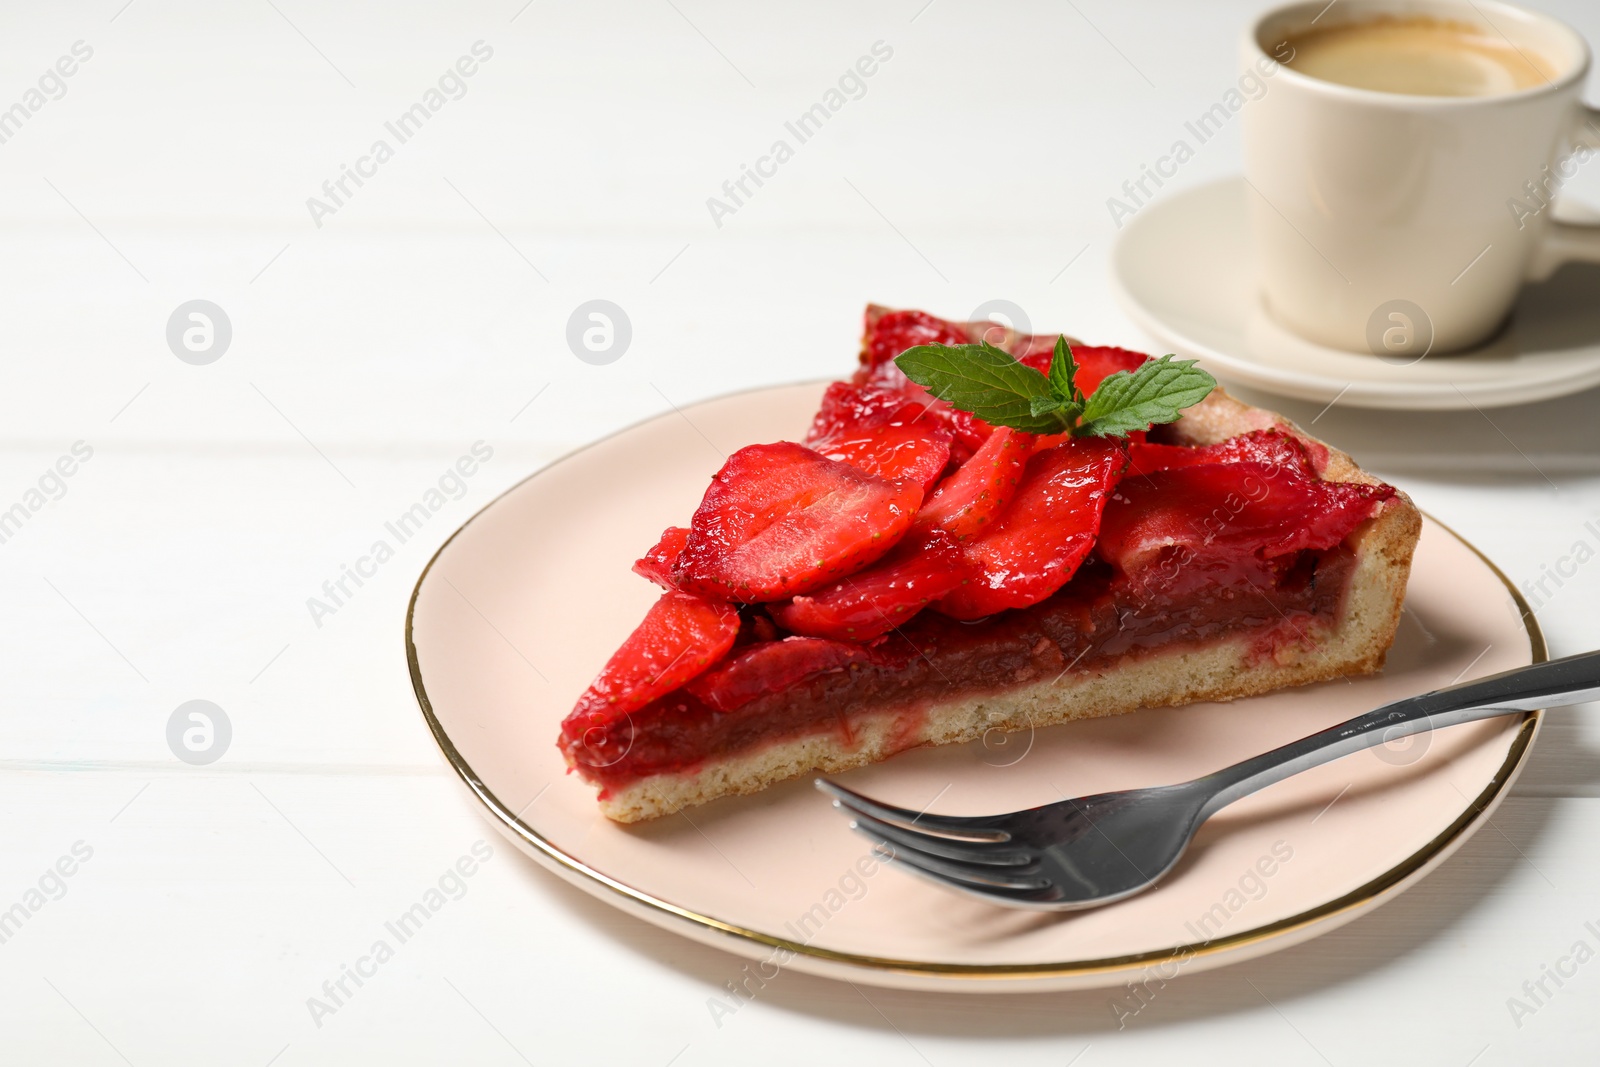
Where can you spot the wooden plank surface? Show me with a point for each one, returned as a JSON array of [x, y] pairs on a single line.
[[208, 905]]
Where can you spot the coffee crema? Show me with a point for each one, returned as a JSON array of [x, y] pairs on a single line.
[[1418, 56]]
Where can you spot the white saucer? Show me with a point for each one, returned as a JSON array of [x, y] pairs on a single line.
[[1184, 271]]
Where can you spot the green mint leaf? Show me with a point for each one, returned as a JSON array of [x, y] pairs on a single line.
[[985, 381], [1043, 405], [1154, 393], [1064, 373], [991, 384]]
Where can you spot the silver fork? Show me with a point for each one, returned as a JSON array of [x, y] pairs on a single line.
[[1098, 849]]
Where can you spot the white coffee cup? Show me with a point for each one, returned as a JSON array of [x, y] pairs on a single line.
[[1389, 223]]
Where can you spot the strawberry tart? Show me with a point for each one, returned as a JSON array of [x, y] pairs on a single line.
[[986, 530]]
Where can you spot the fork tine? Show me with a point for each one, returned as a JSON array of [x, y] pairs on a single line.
[[976, 874], [1041, 899], [950, 825], [985, 852]]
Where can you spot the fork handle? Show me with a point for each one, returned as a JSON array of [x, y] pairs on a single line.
[[1554, 683]]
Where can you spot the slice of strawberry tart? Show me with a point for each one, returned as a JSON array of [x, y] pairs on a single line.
[[987, 530]]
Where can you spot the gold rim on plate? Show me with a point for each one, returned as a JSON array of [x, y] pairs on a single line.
[[1180, 954]]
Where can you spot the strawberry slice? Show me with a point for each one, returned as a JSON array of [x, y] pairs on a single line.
[[657, 563], [880, 431], [967, 431], [889, 333], [1227, 513], [848, 407], [896, 453], [680, 638], [876, 600], [780, 520], [1038, 542], [770, 667], [971, 497], [1095, 363], [1274, 448]]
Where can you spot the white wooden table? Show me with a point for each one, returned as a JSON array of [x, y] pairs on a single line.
[[428, 311]]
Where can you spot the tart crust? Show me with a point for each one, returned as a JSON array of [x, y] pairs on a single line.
[[1180, 674]]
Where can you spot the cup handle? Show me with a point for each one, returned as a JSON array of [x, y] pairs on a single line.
[[1566, 242]]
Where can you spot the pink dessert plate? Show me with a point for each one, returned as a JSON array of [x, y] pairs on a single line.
[[517, 611]]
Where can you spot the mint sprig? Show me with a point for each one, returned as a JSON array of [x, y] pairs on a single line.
[[986, 381], [1156, 392], [992, 385]]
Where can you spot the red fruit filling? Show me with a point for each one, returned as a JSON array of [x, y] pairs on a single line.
[[780, 520], [1095, 622], [770, 667]]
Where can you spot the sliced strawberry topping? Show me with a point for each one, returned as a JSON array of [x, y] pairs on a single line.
[[971, 497], [1039, 540], [780, 520], [897, 452], [680, 637], [892, 332], [886, 594], [1273, 448], [1095, 363], [1227, 513], [657, 563], [967, 431], [770, 667], [882, 432], [847, 407]]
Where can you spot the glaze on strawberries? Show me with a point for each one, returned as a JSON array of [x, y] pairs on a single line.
[[907, 553]]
